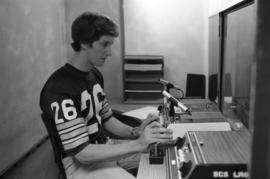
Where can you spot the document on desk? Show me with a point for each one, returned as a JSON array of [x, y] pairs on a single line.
[[179, 129], [142, 113]]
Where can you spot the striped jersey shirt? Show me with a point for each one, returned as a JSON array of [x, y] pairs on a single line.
[[75, 101]]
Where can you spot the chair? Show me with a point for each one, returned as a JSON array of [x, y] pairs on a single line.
[[213, 87], [55, 140], [227, 85], [195, 86]]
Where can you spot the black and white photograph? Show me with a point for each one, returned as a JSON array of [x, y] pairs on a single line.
[[126, 89]]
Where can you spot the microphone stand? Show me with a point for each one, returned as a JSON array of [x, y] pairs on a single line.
[[172, 116], [171, 112], [167, 111], [157, 151]]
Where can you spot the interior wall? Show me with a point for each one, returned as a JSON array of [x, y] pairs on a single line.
[[31, 48], [112, 70], [176, 29]]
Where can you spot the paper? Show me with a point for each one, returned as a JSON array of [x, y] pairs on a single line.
[[179, 129], [142, 113]]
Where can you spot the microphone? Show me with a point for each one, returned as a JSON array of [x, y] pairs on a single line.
[[167, 83], [176, 102], [170, 85]]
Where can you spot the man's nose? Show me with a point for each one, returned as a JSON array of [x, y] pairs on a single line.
[[108, 51]]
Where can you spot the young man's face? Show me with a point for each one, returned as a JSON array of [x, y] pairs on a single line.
[[100, 50]]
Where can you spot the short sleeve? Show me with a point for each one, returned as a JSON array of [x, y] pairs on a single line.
[[70, 123], [106, 111]]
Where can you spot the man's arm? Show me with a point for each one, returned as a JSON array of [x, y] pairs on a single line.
[[152, 133], [94, 153], [120, 129]]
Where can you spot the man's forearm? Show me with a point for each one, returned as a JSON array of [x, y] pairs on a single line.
[[120, 129], [107, 152]]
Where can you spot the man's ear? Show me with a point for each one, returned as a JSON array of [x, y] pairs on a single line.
[[84, 46]]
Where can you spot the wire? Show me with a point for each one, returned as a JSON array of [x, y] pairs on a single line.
[[183, 94]]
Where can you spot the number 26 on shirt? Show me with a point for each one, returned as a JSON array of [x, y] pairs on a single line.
[[69, 110]]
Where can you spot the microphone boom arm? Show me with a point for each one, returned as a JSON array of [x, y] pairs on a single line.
[[176, 102]]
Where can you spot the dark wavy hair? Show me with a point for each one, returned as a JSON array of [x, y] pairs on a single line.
[[89, 27]]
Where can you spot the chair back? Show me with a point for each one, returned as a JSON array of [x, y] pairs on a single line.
[[55, 141], [213, 87], [195, 86]]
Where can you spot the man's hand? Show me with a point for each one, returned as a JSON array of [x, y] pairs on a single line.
[[149, 119], [151, 131]]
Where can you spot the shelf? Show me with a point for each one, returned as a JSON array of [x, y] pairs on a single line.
[[141, 74], [142, 101], [142, 80], [144, 71], [143, 91], [143, 67], [143, 59]]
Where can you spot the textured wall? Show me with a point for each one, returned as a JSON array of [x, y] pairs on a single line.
[[112, 70], [176, 29], [31, 47]]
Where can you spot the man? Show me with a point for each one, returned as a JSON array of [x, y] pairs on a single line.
[[73, 98]]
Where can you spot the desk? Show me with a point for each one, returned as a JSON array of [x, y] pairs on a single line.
[[203, 110], [200, 105], [212, 114], [158, 171], [226, 149], [195, 101]]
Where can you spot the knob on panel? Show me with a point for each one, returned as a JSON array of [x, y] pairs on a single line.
[[185, 169], [180, 142]]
